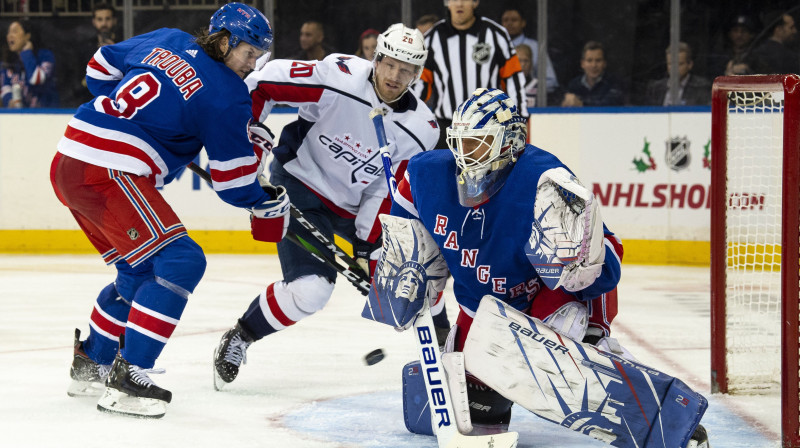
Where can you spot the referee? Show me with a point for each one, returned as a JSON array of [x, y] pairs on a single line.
[[466, 52]]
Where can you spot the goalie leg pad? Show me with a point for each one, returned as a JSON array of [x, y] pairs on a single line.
[[489, 411], [416, 411], [621, 402]]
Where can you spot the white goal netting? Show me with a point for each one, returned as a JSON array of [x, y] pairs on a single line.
[[753, 236]]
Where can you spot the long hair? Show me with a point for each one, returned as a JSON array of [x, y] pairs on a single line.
[[212, 43], [36, 38]]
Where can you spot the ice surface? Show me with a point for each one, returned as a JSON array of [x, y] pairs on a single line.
[[306, 386]]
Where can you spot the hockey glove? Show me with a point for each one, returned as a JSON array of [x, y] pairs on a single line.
[[567, 244], [410, 271], [366, 255], [270, 219], [263, 140]]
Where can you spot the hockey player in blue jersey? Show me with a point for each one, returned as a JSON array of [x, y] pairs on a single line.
[[329, 162], [159, 99], [519, 233]]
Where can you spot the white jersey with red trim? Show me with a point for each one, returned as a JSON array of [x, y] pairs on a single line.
[[332, 147], [159, 99]]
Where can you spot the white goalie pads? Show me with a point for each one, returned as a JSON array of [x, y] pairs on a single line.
[[566, 246], [598, 393]]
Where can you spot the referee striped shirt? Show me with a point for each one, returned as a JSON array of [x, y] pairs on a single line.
[[460, 61]]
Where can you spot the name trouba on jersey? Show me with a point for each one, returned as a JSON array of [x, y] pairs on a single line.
[[364, 159]]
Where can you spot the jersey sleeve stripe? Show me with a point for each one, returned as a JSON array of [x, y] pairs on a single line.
[[403, 196], [233, 173], [283, 92], [99, 64]]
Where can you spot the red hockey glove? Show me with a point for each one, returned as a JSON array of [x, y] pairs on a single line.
[[270, 220]]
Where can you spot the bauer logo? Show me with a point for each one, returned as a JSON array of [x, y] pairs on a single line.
[[538, 337], [433, 377]]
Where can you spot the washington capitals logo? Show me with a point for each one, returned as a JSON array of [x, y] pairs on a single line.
[[342, 66]]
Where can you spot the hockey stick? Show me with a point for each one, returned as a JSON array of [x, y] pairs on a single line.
[[439, 398], [352, 272]]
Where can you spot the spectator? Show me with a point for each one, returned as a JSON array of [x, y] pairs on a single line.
[[774, 56], [426, 22], [312, 36], [367, 43], [525, 55], [595, 87], [513, 22], [28, 75], [732, 58], [488, 60], [104, 22], [694, 90]]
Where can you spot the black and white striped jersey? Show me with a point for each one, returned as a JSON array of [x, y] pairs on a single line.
[[461, 61]]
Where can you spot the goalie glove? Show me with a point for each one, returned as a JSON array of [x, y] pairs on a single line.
[[263, 140], [410, 271], [270, 219], [567, 245]]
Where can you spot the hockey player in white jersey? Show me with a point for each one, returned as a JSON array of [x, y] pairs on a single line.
[[328, 161]]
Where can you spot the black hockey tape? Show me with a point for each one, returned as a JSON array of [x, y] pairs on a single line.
[[374, 357]]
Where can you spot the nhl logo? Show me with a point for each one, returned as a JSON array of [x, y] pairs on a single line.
[[677, 155], [481, 53], [133, 233]]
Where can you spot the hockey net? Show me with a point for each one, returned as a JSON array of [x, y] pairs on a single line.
[[755, 234]]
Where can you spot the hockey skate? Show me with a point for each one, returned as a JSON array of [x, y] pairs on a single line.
[[230, 354], [699, 438], [129, 391], [88, 377]]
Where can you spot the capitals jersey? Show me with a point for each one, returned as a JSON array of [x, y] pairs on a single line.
[[332, 147], [484, 247], [159, 99]]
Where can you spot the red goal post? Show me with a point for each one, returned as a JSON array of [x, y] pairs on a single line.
[[755, 240]]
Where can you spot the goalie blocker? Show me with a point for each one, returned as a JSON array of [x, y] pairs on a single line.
[[620, 402]]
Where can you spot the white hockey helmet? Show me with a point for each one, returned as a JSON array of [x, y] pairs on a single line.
[[486, 137], [404, 44]]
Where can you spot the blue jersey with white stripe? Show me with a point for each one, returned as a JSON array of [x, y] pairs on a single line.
[[484, 247], [159, 100]]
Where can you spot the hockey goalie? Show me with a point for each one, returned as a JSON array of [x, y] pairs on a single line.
[[534, 272]]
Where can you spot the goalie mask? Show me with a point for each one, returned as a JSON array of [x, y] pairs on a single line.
[[486, 137], [405, 45]]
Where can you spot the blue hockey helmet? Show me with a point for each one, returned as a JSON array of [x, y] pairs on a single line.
[[487, 136], [245, 23]]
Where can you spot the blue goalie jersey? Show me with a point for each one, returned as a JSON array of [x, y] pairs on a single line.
[[484, 247]]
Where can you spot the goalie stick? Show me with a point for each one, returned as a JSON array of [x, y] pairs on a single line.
[[352, 272], [438, 391]]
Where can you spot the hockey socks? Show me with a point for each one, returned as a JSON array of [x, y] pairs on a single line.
[[254, 321], [106, 323]]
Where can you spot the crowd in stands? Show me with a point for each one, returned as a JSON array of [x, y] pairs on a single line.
[[763, 43]]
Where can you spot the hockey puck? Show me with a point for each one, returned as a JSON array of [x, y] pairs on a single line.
[[374, 357]]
